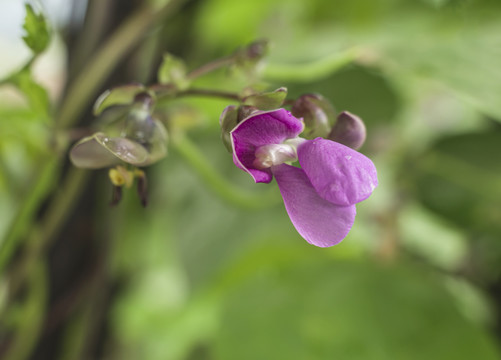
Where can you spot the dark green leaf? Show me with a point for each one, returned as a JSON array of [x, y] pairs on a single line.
[[459, 178]]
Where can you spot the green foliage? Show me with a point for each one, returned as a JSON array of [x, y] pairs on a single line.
[[459, 176], [120, 95], [376, 102], [213, 267], [173, 71], [36, 95], [37, 32], [346, 310]]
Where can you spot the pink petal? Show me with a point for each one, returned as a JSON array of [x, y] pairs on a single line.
[[262, 128], [318, 221], [339, 174]]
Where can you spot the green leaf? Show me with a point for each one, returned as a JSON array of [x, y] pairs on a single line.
[[347, 310], [173, 71], [459, 177], [120, 95], [36, 95], [431, 237], [37, 32]]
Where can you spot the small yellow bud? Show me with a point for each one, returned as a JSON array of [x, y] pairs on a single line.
[[116, 178], [119, 176]]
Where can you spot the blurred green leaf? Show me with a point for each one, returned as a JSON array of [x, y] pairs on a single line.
[[37, 33], [120, 95], [346, 310], [36, 95], [426, 235], [311, 71], [229, 24], [459, 178], [173, 70], [360, 90]]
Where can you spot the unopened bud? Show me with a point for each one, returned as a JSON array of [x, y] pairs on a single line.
[[120, 176], [172, 71], [248, 60], [144, 100], [348, 130], [267, 100], [257, 49], [317, 113], [252, 53]]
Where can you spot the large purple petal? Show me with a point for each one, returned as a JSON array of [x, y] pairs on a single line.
[[339, 174], [262, 128], [318, 221]]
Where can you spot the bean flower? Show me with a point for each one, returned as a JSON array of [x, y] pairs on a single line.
[[321, 194]]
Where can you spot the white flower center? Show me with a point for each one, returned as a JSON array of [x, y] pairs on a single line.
[[276, 154]]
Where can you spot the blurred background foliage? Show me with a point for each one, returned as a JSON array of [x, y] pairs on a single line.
[[212, 268]]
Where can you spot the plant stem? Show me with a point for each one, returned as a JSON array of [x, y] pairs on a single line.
[[95, 73], [211, 66], [29, 318], [210, 93], [43, 233], [45, 181]]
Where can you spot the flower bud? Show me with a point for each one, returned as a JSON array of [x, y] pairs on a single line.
[[144, 100], [248, 60], [252, 53], [317, 113], [144, 128], [173, 71], [120, 176], [348, 130], [257, 49], [267, 100]]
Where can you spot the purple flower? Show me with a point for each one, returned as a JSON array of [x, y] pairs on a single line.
[[320, 196]]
